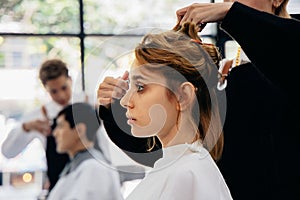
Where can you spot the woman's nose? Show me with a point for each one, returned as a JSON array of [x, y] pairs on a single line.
[[126, 101]]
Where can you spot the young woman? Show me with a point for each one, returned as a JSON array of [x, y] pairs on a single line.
[[172, 95], [256, 161]]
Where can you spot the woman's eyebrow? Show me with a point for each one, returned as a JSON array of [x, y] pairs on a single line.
[[137, 77]]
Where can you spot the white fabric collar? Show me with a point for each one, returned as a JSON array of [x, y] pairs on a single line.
[[173, 153]]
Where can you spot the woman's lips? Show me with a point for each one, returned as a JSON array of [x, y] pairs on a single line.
[[130, 119]]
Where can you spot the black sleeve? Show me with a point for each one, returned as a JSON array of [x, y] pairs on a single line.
[[269, 41], [115, 124]]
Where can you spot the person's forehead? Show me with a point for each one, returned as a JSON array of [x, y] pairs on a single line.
[[61, 119], [145, 74]]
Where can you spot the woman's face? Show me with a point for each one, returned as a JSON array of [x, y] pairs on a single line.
[[150, 110]]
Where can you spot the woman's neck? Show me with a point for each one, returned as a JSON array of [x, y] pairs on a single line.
[[184, 132]]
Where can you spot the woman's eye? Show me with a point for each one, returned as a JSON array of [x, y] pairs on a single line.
[[139, 87]]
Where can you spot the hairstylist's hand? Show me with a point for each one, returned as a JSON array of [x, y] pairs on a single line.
[[42, 126], [112, 88], [202, 13]]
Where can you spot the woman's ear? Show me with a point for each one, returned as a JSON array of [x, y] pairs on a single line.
[[186, 95], [277, 3]]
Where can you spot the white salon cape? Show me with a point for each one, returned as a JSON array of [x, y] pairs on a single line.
[[90, 179], [17, 139], [186, 171]]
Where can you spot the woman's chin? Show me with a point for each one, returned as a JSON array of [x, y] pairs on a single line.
[[142, 133]]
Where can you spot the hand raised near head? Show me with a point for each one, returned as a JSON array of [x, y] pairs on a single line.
[[112, 88], [202, 13], [42, 126]]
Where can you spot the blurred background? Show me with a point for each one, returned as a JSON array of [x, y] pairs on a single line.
[[94, 37]]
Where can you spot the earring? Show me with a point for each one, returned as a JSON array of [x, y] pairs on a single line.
[[178, 106], [276, 4]]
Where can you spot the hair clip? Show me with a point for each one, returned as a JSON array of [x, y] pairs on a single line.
[[196, 41]]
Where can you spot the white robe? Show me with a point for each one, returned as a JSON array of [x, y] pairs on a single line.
[[185, 172], [92, 179]]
